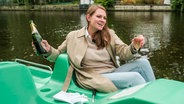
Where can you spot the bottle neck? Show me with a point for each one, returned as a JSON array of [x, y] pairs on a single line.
[[33, 28]]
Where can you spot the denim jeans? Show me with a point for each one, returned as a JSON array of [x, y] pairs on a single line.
[[131, 74]]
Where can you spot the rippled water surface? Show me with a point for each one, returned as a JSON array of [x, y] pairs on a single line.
[[164, 32]]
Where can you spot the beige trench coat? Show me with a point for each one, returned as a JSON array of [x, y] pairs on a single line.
[[76, 45]]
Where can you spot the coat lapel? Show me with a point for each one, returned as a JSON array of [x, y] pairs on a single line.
[[82, 43], [112, 55]]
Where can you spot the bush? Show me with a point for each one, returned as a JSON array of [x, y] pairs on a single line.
[[105, 3], [178, 5]]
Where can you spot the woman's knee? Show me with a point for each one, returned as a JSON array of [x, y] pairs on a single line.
[[143, 61], [134, 79], [144, 64], [138, 79]]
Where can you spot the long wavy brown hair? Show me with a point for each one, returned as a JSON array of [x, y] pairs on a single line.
[[102, 37]]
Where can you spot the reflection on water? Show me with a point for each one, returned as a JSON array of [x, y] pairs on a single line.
[[163, 32], [154, 26]]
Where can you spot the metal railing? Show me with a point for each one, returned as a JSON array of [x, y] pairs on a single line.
[[34, 64]]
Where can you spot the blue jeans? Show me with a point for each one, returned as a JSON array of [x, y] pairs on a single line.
[[131, 74]]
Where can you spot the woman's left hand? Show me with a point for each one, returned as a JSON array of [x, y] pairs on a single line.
[[138, 42]]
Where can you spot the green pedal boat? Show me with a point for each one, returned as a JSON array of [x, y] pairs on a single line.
[[24, 82]]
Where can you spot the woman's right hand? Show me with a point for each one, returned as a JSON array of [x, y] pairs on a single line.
[[46, 45]]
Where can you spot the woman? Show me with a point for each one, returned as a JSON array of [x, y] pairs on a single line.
[[92, 52]]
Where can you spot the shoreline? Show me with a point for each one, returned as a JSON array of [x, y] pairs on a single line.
[[118, 7]]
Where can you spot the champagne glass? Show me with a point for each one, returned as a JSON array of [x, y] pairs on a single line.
[[142, 51], [137, 55]]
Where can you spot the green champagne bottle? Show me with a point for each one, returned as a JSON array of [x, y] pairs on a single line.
[[36, 37]]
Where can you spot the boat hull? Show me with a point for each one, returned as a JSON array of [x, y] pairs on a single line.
[[28, 84]]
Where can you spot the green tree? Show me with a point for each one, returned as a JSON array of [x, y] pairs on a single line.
[[178, 5], [105, 3]]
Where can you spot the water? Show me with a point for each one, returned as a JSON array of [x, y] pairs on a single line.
[[163, 31]]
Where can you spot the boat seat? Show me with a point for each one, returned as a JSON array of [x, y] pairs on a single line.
[[17, 85], [60, 68], [60, 72], [57, 80]]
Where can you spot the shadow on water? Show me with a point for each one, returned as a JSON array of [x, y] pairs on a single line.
[[163, 31]]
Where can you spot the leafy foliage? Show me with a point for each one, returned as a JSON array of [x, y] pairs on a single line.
[[105, 3], [178, 5]]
